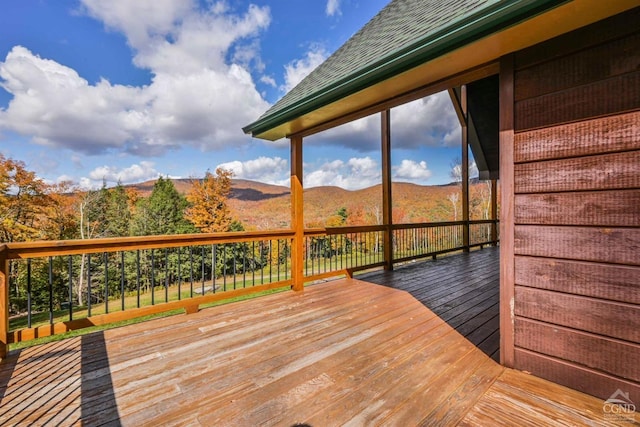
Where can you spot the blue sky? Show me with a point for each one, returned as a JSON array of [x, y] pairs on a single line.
[[130, 90]]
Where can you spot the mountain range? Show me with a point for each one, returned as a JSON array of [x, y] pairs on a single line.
[[264, 206]]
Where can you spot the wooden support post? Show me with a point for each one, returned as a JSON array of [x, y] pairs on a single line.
[[465, 168], [507, 225], [387, 206], [494, 211], [4, 303], [297, 215]]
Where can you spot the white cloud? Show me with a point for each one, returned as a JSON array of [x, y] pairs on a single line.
[[143, 171], [410, 170], [184, 47], [271, 170], [268, 80], [333, 8], [356, 173], [429, 121], [298, 69], [141, 20]]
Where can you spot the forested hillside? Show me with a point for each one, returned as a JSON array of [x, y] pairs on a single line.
[[33, 210]]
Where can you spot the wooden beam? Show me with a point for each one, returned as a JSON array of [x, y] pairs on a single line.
[[507, 226], [4, 303], [465, 168], [387, 206], [457, 105], [477, 73], [297, 215], [494, 210]]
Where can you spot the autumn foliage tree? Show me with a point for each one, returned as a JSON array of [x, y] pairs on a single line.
[[208, 210], [23, 198]]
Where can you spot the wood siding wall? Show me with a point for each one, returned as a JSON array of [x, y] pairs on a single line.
[[577, 208]]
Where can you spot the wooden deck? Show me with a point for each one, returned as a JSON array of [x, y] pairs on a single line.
[[463, 290], [345, 352]]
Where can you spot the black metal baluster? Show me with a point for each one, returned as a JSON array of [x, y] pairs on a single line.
[[286, 260], [224, 267], [324, 255], [89, 285], [106, 282], [234, 269], [214, 257], [270, 262], [153, 276], [70, 290], [179, 276], [342, 247], [51, 290], [253, 263], [29, 292], [166, 275], [138, 277], [262, 267], [244, 265], [191, 271], [278, 260], [312, 256], [203, 275], [122, 280]]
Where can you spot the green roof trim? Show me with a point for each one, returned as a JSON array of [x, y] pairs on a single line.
[[405, 34]]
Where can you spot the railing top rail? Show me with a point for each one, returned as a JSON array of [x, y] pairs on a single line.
[[73, 247], [116, 244], [483, 221], [328, 231], [426, 225]]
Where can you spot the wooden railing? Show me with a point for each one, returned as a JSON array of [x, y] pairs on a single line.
[[342, 250], [54, 287], [345, 250]]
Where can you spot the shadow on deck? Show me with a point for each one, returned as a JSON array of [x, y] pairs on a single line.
[[463, 290]]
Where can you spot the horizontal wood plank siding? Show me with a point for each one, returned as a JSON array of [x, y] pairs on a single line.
[[596, 136], [602, 172], [581, 68], [607, 318], [576, 376], [620, 93], [598, 280], [617, 208], [577, 208], [612, 245], [620, 357], [597, 34]]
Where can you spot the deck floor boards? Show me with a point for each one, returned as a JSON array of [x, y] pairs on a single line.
[[345, 352], [463, 289]]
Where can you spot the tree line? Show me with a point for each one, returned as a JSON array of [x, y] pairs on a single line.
[[31, 209]]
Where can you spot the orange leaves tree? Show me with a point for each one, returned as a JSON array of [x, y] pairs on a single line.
[[208, 209], [23, 197]]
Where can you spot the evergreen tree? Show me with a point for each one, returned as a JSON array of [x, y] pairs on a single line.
[[162, 212], [118, 215]]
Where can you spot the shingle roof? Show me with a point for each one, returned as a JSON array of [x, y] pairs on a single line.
[[395, 32]]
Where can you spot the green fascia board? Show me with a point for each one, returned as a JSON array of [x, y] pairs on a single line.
[[489, 20]]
